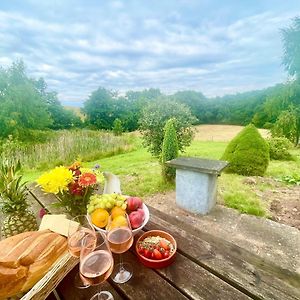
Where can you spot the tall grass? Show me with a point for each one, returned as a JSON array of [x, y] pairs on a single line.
[[66, 146]]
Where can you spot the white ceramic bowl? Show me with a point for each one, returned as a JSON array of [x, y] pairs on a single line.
[[134, 231]]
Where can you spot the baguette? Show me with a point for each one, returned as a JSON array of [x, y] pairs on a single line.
[[26, 258]]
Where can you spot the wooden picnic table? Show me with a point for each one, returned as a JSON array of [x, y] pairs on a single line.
[[206, 267]]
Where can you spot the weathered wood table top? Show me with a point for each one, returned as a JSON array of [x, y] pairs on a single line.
[[206, 267]]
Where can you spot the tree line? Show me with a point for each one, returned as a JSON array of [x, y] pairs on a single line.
[[26, 105]]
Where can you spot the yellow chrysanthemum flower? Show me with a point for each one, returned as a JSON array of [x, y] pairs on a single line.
[[75, 165], [56, 180], [100, 177], [86, 170]]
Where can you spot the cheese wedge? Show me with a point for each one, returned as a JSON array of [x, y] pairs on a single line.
[[59, 224], [48, 220]]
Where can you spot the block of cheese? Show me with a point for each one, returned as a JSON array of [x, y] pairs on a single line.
[[47, 220], [59, 224]]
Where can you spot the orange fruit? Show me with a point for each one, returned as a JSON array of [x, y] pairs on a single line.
[[118, 221], [100, 217], [117, 211]]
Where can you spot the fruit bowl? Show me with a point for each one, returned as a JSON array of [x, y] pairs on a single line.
[[134, 231], [156, 263]]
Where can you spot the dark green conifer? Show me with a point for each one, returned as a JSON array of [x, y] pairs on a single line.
[[169, 150], [247, 153]]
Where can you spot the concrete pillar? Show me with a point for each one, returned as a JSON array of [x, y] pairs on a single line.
[[196, 183]]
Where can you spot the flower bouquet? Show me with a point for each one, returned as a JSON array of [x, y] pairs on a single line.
[[72, 186]]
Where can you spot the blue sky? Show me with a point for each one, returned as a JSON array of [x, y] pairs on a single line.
[[213, 46]]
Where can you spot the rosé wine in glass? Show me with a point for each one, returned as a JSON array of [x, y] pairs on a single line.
[[120, 239], [96, 262], [79, 228], [75, 240], [96, 267]]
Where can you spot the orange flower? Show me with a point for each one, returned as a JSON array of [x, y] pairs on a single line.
[[75, 165], [87, 179]]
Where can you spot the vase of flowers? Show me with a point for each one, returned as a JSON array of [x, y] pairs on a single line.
[[72, 186]]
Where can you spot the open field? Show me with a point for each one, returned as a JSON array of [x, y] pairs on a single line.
[[77, 111], [221, 133]]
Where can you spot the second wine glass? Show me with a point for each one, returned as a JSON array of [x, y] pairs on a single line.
[[120, 239], [96, 263], [79, 227]]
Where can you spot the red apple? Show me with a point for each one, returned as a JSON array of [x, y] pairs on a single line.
[[141, 212], [136, 219], [133, 203]]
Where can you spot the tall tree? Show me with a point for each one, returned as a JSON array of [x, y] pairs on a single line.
[[291, 46], [22, 107], [134, 102], [154, 117], [100, 108], [196, 101], [61, 117]]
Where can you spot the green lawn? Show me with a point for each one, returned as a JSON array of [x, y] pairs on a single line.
[[140, 174]]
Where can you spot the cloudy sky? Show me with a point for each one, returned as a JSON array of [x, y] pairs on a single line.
[[213, 46]]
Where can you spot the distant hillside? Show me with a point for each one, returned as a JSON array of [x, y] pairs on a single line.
[[76, 110]]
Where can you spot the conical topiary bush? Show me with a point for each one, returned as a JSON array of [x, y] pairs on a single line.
[[169, 150], [247, 153]]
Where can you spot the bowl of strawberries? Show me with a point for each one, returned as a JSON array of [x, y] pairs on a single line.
[[156, 249]]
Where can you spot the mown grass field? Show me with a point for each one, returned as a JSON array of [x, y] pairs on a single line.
[[140, 173]]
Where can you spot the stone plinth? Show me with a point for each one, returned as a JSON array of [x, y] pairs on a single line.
[[196, 183]]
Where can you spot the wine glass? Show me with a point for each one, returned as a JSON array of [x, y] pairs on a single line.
[[120, 239], [79, 227], [96, 263]]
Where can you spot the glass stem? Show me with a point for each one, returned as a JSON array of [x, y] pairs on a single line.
[[99, 292], [121, 263]]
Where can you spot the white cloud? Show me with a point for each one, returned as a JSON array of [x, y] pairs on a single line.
[[120, 46]]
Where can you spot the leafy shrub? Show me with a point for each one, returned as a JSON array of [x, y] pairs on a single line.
[[169, 150], [287, 126], [154, 118], [292, 179], [9, 146], [247, 153], [117, 127], [268, 125], [279, 147]]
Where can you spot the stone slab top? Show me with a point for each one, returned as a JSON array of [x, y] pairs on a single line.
[[200, 165]]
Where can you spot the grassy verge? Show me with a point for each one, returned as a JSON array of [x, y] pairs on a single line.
[[235, 194], [140, 174], [278, 168]]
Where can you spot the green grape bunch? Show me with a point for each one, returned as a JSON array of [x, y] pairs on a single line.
[[106, 201]]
